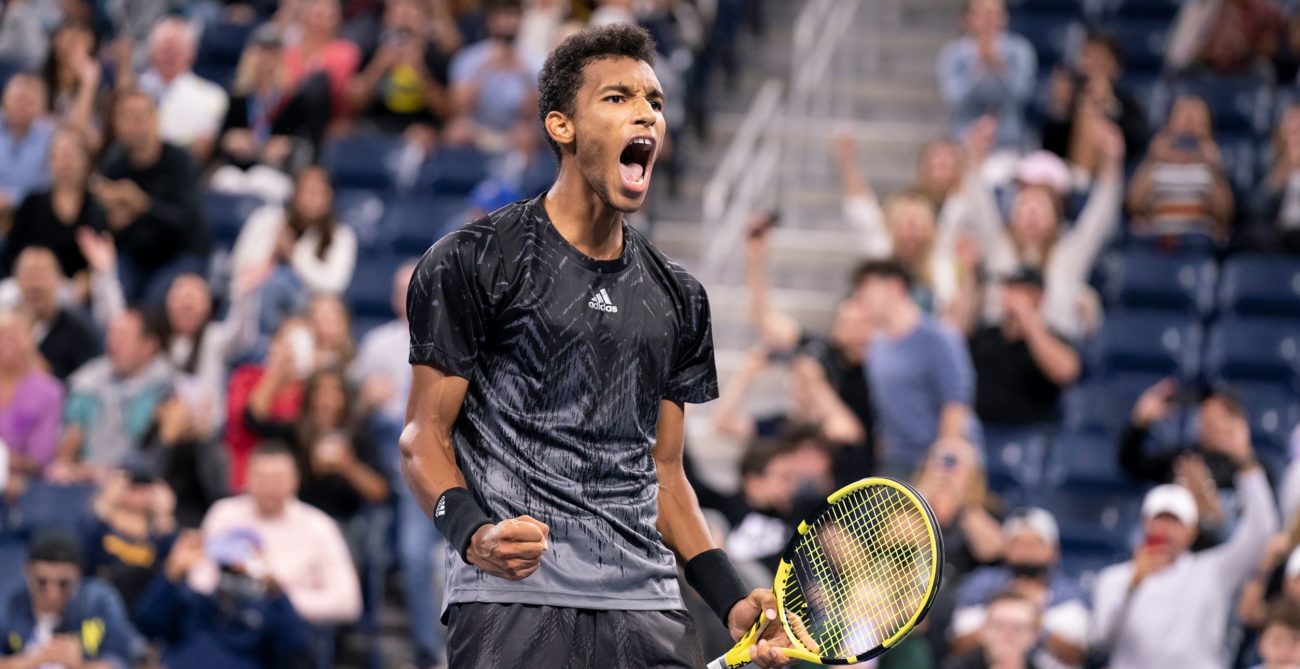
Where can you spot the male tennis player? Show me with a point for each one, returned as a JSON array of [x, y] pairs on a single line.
[[553, 349]]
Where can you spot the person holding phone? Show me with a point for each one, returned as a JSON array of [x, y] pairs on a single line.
[[1168, 606]]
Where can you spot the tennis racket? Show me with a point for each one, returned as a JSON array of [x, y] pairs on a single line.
[[855, 578]]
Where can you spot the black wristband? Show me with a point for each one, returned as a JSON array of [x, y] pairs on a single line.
[[457, 517], [716, 579]]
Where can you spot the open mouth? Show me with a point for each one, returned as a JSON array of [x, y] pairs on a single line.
[[634, 162]]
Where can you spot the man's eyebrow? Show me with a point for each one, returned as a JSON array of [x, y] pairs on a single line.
[[616, 88]]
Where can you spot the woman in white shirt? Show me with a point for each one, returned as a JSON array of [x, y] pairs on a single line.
[[308, 251]]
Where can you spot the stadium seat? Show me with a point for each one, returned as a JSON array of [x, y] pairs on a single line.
[[363, 210], [1145, 279], [1147, 10], [454, 171], [1092, 519], [1083, 563], [1274, 412], [13, 558], [1149, 342], [1068, 9], [226, 214], [1254, 349], [1240, 161], [1014, 458], [8, 68], [362, 161], [1053, 37], [1144, 45], [1085, 460], [1236, 106], [1259, 285], [370, 293], [45, 505], [412, 224], [220, 47]]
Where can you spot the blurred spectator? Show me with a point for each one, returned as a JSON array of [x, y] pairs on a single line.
[[1021, 365], [149, 190], [1276, 200], [135, 525], [1228, 38], [179, 449], [1205, 467], [1009, 633], [1180, 186], [275, 386], [51, 218], [1034, 237], [919, 371], [988, 72], [403, 85], [268, 128], [65, 340], [321, 582], [111, 400], [1279, 645], [1276, 578], [61, 619], [78, 94], [319, 55], [31, 401], [953, 481], [190, 108], [385, 379], [782, 479], [1168, 607], [938, 176], [340, 469], [542, 24], [1030, 570], [246, 622], [132, 23], [303, 246], [23, 38], [494, 83], [1091, 93], [24, 140], [904, 229], [331, 327]]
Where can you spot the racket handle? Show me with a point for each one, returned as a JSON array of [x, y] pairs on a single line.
[[720, 663]]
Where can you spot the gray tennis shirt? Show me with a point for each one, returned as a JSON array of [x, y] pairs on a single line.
[[567, 360]]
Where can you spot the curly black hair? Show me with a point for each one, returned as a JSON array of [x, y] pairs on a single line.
[[561, 76]]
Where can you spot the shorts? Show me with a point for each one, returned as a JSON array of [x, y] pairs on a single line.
[[512, 636]]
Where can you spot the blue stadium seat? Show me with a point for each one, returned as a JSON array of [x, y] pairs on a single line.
[[1148, 10], [1240, 160], [1054, 38], [1069, 9], [1149, 342], [1144, 45], [1274, 412], [1084, 563], [1146, 279], [454, 171], [226, 214], [1085, 460], [8, 68], [1237, 106], [1254, 349], [13, 558], [45, 505], [370, 293], [220, 47], [539, 176], [1014, 457], [363, 210], [1093, 519], [362, 161], [1258, 285], [412, 224]]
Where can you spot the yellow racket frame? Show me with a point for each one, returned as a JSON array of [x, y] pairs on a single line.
[[739, 656]]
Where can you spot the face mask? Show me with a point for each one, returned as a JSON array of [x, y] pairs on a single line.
[[1030, 571]]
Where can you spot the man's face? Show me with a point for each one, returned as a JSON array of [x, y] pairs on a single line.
[[1010, 630], [135, 122], [404, 15], [985, 18], [618, 127], [503, 24], [1279, 646], [52, 585], [1096, 60], [1218, 424], [878, 296], [1169, 535], [24, 100], [272, 482], [171, 52], [38, 277], [911, 226], [127, 346], [941, 166], [1026, 548]]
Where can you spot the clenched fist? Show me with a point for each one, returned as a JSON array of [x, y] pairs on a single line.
[[510, 549]]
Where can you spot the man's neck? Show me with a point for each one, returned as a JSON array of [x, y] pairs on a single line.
[[903, 319], [9, 375], [146, 154], [17, 130], [582, 218]]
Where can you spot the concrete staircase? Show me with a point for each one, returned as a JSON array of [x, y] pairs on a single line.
[[883, 89]]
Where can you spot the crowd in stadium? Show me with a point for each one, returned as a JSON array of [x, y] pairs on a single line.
[[1091, 289]]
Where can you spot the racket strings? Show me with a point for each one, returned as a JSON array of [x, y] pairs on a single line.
[[861, 571]]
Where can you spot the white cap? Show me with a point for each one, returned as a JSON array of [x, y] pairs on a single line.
[[1172, 499], [1044, 168], [1293, 564], [1038, 521]]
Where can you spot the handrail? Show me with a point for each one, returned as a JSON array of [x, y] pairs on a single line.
[[741, 150]]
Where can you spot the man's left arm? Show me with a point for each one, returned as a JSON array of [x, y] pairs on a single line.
[[1056, 359], [707, 568]]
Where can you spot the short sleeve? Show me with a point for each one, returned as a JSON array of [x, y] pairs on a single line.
[[955, 374], [694, 376], [446, 306]]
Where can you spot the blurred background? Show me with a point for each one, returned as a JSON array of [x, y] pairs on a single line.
[[1038, 257]]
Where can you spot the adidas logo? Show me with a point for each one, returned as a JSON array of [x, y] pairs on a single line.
[[601, 302], [441, 510]]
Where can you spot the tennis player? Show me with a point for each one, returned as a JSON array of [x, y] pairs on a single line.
[[553, 350]]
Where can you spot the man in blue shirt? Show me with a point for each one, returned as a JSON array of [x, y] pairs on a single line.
[[918, 369], [61, 619], [494, 81], [24, 139], [988, 71]]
